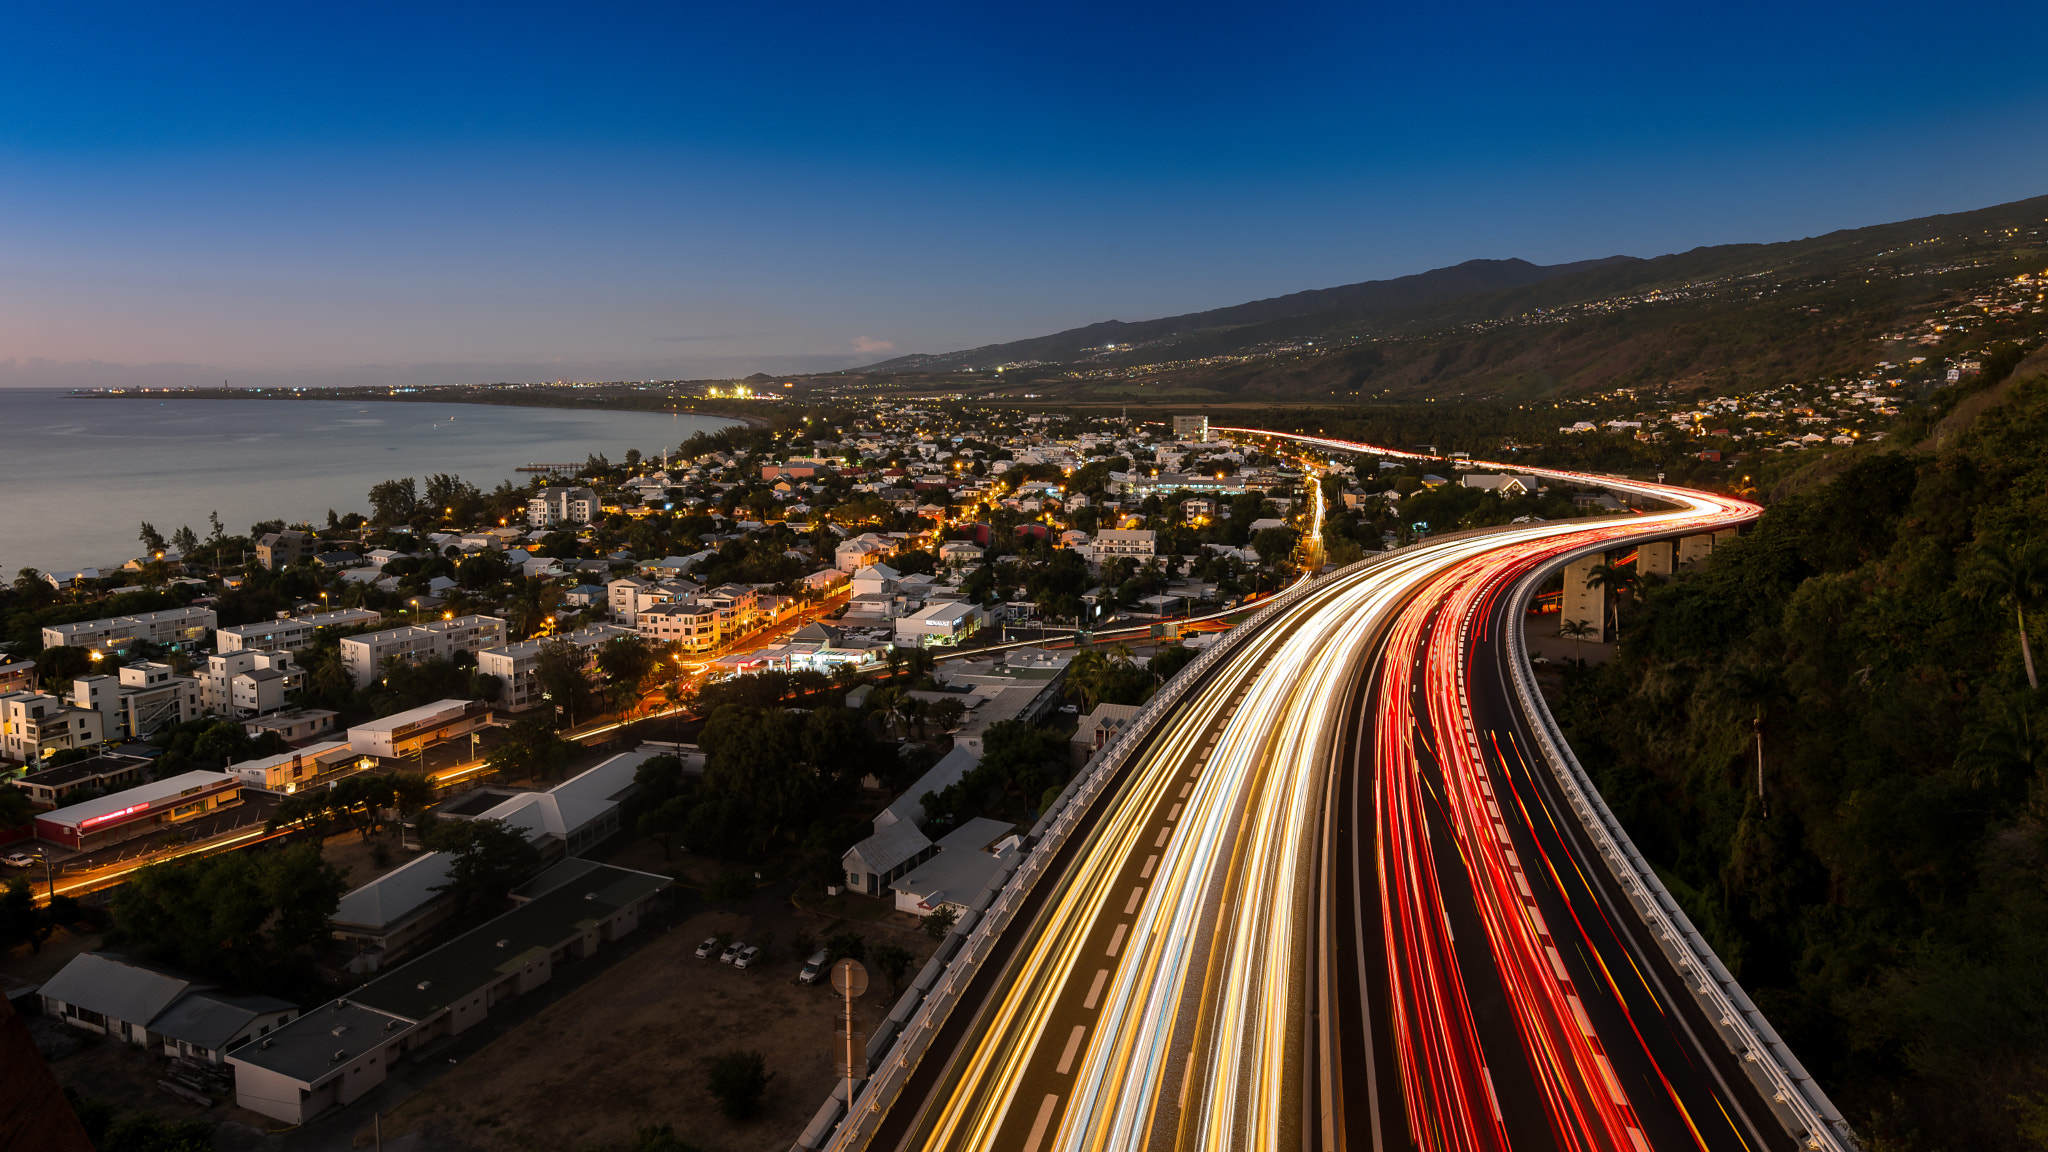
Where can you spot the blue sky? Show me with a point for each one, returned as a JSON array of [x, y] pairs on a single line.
[[370, 193]]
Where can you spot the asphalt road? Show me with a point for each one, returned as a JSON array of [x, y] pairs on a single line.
[[1333, 902]]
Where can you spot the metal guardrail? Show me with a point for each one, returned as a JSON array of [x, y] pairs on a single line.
[[1796, 1099], [897, 1047]]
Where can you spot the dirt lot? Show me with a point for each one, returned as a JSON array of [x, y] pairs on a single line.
[[629, 1048]]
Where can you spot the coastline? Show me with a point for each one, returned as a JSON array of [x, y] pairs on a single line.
[[593, 399]]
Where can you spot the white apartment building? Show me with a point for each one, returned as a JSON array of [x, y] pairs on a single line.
[[692, 628], [555, 505], [247, 683], [290, 633], [399, 736], [363, 655], [629, 596], [1141, 543], [172, 627], [512, 664], [138, 700], [35, 724]]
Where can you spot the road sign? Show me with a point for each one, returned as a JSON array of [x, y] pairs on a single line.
[[849, 1054], [849, 978]]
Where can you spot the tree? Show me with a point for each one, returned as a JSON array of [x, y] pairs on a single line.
[[152, 540], [186, 542], [625, 662], [489, 858], [738, 1080], [238, 915], [2014, 577], [939, 923], [664, 824], [394, 501], [892, 961], [21, 922], [1575, 631], [15, 810], [559, 668]]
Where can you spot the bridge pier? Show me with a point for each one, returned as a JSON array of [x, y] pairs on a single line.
[[1654, 558], [1584, 600], [1694, 550]]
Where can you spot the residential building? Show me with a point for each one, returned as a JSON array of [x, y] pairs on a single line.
[[292, 725], [139, 700], [854, 553], [960, 554], [396, 737], [1137, 543], [276, 550], [513, 664], [55, 787], [1505, 483], [158, 1008], [289, 633], [139, 810], [17, 675], [1193, 429], [362, 656], [898, 844], [35, 724], [556, 505], [1097, 729], [343, 1049], [171, 628], [247, 683], [692, 628]]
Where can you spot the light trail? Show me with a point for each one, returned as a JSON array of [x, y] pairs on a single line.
[[1159, 996]]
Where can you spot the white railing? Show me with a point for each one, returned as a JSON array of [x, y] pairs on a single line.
[[1798, 1102], [893, 1056]]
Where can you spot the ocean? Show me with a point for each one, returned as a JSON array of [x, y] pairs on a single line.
[[80, 475]]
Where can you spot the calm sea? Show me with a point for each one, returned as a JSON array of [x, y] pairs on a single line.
[[80, 475]]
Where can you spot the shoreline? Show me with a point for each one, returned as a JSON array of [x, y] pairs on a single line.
[[597, 401]]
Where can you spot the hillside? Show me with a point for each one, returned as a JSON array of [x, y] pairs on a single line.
[[1314, 311], [1725, 318]]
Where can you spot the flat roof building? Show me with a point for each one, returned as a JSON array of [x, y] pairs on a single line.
[[363, 655], [171, 628], [290, 633], [396, 737], [139, 810]]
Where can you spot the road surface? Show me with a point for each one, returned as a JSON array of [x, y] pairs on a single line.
[[1335, 900]]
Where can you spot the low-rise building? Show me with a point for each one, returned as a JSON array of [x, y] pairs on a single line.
[[35, 724], [555, 505], [289, 633], [364, 655], [139, 810], [300, 769], [341, 1050], [960, 866], [248, 682], [59, 786], [293, 725], [171, 628], [512, 664], [1137, 543], [396, 737], [158, 1008], [276, 550], [941, 622], [139, 699]]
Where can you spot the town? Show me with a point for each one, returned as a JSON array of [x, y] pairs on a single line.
[[845, 659]]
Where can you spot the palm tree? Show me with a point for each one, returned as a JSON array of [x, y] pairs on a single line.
[[1620, 581], [1575, 631], [1755, 686], [2014, 577], [2009, 748]]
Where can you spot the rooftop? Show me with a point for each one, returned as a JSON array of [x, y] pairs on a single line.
[[105, 764], [322, 1041], [419, 989], [140, 796]]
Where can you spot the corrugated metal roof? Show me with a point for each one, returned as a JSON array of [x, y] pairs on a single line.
[[118, 987], [391, 897], [143, 794], [210, 1019]]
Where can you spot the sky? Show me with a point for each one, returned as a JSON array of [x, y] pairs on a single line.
[[287, 194]]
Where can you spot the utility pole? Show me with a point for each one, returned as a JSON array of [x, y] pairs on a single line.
[[850, 1050]]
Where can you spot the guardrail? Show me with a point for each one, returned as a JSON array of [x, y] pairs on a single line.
[[896, 1048], [1796, 1099]]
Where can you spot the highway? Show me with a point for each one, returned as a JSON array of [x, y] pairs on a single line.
[[1338, 899]]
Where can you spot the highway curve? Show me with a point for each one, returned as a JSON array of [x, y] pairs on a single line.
[[1335, 900]]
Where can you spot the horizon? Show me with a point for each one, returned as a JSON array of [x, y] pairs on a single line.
[[287, 202]]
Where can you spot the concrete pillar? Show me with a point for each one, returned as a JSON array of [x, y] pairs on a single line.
[[1654, 558], [1584, 601], [1726, 536], [1694, 549]]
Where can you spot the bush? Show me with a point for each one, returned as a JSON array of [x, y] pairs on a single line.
[[939, 923], [846, 946], [738, 1080]]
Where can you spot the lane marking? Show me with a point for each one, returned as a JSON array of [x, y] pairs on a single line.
[[1116, 938], [1131, 905], [1095, 989], [1163, 834], [1150, 861], [1185, 789], [1045, 1108], [1073, 1046], [1173, 813]]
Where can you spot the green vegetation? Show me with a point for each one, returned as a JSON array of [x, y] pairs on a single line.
[[253, 917], [738, 1081], [1885, 896]]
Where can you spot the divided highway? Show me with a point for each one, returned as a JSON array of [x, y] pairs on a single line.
[[1345, 895]]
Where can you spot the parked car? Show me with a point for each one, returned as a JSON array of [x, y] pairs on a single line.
[[814, 968], [747, 956], [732, 952], [709, 946], [21, 860]]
